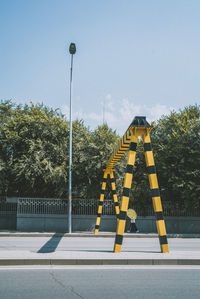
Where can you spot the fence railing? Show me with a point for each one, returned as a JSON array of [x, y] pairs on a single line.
[[7, 207], [59, 206], [80, 207], [90, 207], [41, 206]]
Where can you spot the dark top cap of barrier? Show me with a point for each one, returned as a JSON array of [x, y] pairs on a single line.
[[140, 121]]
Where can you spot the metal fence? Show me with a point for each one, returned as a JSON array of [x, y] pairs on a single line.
[[59, 206], [81, 207], [90, 206], [7, 207], [41, 206]]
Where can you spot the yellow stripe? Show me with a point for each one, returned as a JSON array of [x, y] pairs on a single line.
[[149, 158], [98, 220], [164, 248], [117, 210], [153, 182], [101, 197], [100, 209], [113, 186], [121, 227], [117, 248], [157, 204], [161, 227], [128, 180], [115, 197], [124, 203], [146, 138], [103, 186]]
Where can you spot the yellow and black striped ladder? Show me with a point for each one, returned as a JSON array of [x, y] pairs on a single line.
[[107, 174], [125, 196], [155, 193], [140, 127]]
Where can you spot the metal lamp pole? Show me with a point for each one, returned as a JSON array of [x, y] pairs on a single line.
[[72, 51]]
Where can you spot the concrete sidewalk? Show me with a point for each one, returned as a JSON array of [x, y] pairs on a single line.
[[55, 249]]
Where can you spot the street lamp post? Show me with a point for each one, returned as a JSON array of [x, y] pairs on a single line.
[[72, 51]]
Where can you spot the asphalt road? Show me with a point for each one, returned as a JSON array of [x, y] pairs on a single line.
[[101, 283], [51, 244]]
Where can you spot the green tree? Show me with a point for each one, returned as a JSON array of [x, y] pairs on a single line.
[[176, 140]]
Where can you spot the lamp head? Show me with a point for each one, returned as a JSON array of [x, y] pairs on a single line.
[[72, 48]]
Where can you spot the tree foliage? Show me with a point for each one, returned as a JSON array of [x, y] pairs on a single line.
[[34, 156], [34, 153], [176, 146]]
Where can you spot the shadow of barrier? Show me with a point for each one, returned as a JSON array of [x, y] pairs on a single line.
[[52, 244]]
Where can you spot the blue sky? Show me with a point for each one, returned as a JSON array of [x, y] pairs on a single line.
[[133, 57]]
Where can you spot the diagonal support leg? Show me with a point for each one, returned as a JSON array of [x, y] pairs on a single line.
[[113, 186], [100, 205], [153, 182], [125, 196]]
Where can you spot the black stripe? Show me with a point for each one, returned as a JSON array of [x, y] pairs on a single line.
[[159, 216], [119, 239], [112, 180], [104, 180], [96, 226], [133, 146], [98, 214], [163, 240], [151, 169], [116, 204], [147, 147], [125, 143], [122, 215], [129, 168], [100, 203], [126, 192], [155, 192], [102, 191], [114, 191]]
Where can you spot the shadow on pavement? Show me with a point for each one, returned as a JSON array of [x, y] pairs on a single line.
[[52, 244]]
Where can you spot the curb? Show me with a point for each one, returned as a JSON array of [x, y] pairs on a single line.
[[91, 235], [65, 262]]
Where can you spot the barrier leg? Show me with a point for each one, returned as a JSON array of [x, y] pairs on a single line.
[[100, 205], [155, 193], [113, 186], [125, 196]]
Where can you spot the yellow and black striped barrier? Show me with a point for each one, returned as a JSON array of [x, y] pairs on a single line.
[[107, 174], [139, 127]]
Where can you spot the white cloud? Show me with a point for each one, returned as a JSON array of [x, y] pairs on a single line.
[[108, 96], [155, 112], [65, 111], [119, 114]]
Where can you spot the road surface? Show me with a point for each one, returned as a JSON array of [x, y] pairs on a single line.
[[99, 283]]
